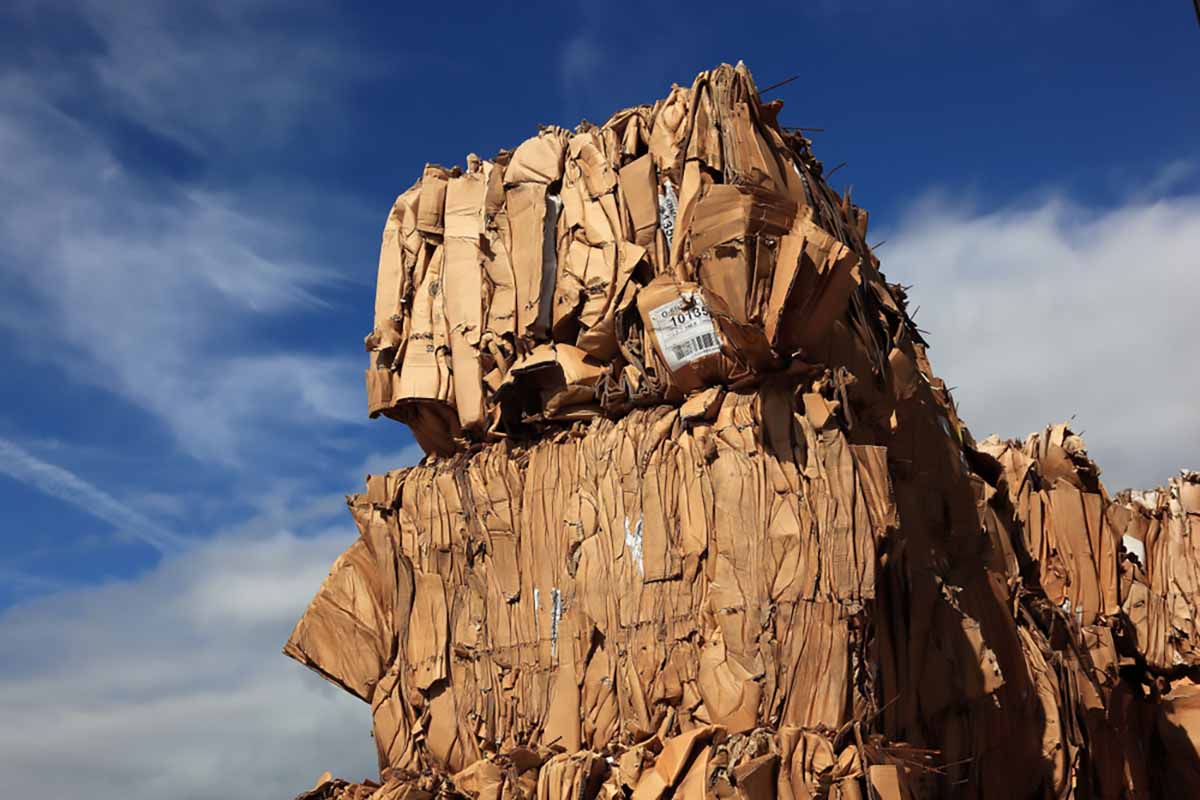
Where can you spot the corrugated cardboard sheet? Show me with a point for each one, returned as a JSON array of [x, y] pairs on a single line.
[[698, 518]]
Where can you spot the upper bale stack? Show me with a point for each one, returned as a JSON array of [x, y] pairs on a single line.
[[687, 244]]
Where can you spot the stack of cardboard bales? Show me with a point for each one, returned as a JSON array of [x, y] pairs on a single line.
[[698, 518]]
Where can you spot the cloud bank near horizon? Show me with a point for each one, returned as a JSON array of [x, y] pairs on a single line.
[[1056, 310]]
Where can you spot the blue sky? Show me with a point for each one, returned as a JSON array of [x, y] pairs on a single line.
[[191, 200]]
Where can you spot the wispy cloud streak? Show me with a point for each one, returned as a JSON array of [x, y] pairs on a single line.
[[62, 484], [169, 292]]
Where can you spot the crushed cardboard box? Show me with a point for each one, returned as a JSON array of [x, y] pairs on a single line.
[[699, 519]]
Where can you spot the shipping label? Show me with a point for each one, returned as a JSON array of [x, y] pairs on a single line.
[[684, 330]]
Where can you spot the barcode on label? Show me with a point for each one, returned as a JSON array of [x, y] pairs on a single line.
[[705, 341], [684, 330]]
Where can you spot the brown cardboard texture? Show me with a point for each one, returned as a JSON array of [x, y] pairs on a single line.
[[553, 243], [699, 520]]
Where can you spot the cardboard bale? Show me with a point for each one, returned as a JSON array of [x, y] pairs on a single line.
[[698, 517], [1127, 562], [751, 569], [1062, 507], [641, 577], [599, 239], [1160, 543], [1112, 581]]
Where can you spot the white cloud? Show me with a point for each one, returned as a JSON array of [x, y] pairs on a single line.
[[62, 484], [1055, 310], [173, 684], [212, 75], [152, 291]]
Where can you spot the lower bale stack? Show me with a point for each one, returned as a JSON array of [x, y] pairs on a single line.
[[634, 581], [640, 578], [749, 598]]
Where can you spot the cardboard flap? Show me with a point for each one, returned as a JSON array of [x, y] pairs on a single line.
[[539, 159], [432, 201], [639, 189], [729, 212]]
